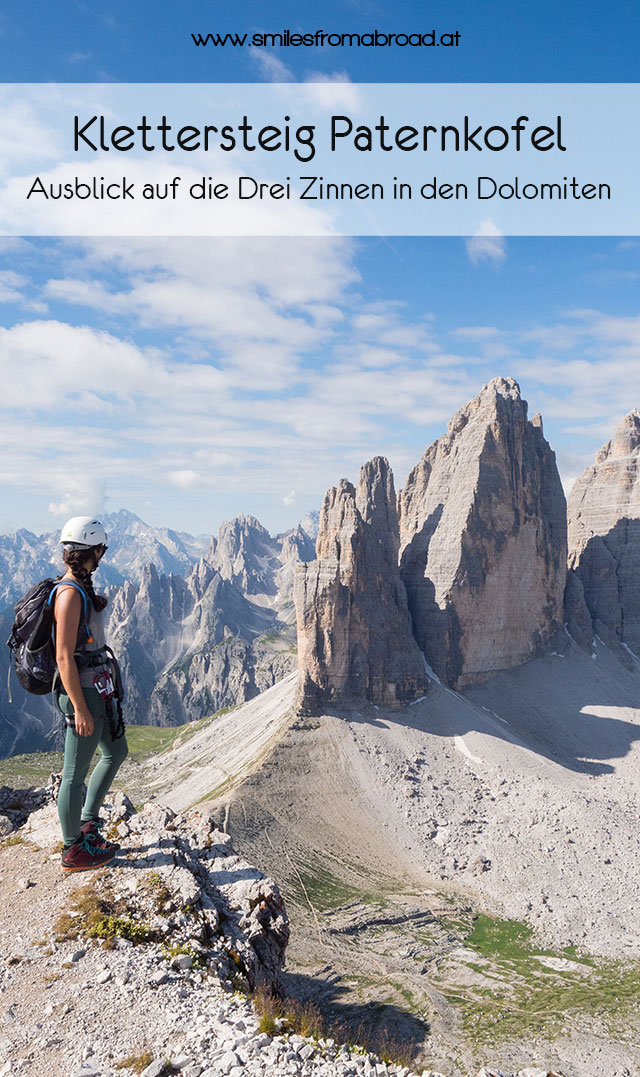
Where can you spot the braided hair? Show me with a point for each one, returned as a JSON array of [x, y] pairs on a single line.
[[75, 559]]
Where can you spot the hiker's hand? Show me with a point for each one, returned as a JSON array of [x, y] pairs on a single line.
[[84, 723]]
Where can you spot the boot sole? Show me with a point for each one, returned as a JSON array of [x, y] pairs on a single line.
[[88, 867]]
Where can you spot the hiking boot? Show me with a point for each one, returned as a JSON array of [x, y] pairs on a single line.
[[84, 855], [93, 827]]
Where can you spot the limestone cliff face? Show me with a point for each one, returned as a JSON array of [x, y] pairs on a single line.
[[245, 554], [604, 536], [354, 630], [483, 540]]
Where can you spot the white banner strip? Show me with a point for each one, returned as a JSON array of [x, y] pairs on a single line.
[[319, 159]]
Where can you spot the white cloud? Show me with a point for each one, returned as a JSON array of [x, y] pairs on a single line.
[[79, 496], [487, 244], [254, 307], [58, 362], [87, 293], [11, 285], [332, 91], [186, 479], [271, 67], [270, 371]]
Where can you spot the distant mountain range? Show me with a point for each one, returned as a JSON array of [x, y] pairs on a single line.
[[472, 569], [198, 623]]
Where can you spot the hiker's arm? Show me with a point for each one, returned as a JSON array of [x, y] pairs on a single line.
[[68, 610]]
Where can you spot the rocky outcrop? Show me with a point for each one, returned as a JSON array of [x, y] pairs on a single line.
[[354, 630], [483, 540], [188, 888], [16, 805], [170, 960], [604, 537]]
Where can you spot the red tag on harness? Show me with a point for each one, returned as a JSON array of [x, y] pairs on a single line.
[[103, 683]]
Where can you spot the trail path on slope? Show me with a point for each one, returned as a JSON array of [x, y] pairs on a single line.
[[210, 762]]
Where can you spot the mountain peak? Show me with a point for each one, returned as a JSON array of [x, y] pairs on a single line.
[[604, 535], [354, 631]]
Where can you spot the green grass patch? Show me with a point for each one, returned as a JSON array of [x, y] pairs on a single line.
[[282, 1015], [137, 1063], [13, 839], [324, 890], [522, 996], [100, 916], [30, 770], [146, 740], [509, 940]]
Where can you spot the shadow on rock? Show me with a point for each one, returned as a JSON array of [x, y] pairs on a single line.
[[381, 1027], [558, 706]]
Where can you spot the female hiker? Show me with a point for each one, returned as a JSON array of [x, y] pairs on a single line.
[[88, 697]]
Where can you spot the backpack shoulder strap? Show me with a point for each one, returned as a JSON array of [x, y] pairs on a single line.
[[71, 583], [85, 603]]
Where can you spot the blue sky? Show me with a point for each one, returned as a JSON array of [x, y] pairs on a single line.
[[192, 379], [189, 380], [546, 41]]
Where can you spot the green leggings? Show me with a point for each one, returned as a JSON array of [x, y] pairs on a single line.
[[78, 753]]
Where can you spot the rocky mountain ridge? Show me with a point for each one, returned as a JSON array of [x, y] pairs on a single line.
[[189, 643], [492, 563], [468, 573], [354, 630], [133, 544]]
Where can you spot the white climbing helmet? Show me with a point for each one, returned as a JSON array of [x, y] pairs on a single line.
[[82, 532]]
